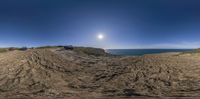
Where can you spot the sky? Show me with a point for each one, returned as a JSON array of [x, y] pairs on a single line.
[[123, 23]]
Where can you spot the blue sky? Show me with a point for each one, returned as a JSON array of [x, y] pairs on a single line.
[[124, 23]]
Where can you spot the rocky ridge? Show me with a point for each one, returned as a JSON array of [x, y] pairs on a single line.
[[60, 73]]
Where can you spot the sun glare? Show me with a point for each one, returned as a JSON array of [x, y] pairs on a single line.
[[100, 36]]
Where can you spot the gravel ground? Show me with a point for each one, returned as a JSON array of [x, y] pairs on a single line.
[[59, 73]]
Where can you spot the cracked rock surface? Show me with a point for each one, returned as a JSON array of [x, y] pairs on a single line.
[[59, 73]]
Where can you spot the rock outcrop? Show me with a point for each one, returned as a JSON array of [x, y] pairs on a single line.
[[88, 72]]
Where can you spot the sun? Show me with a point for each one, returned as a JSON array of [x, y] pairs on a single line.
[[100, 36]]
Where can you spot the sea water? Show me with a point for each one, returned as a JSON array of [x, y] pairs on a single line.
[[139, 52]]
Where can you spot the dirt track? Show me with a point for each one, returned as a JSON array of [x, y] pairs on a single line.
[[59, 73]]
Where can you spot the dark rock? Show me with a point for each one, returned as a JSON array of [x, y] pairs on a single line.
[[70, 47], [23, 49]]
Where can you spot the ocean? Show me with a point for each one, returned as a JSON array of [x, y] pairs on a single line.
[[139, 52]]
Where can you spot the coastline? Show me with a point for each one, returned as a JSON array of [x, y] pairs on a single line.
[[140, 52]]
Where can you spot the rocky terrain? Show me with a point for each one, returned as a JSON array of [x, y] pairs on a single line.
[[92, 73]]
